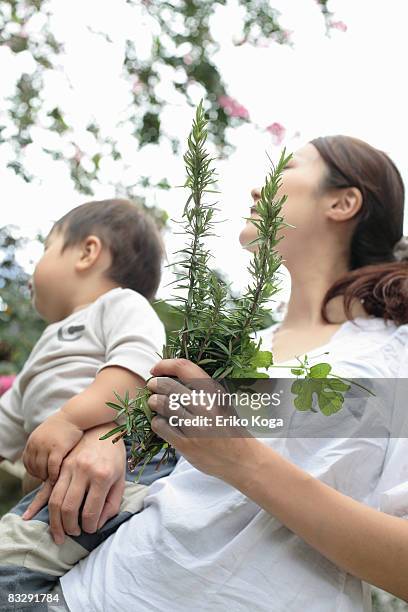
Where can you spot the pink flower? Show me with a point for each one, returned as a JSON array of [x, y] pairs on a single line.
[[5, 383], [338, 25], [78, 155], [277, 132], [286, 36], [232, 107], [137, 86], [188, 59]]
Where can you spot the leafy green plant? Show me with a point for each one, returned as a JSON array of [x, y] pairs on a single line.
[[217, 331], [183, 47], [20, 325]]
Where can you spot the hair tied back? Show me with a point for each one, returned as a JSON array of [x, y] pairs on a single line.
[[400, 250]]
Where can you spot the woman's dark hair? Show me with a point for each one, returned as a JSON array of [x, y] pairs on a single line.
[[376, 276], [131, 236]]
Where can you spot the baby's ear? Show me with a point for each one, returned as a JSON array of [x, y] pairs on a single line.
[[90, 251]]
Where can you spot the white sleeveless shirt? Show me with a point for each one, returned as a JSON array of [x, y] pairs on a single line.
[[199, 544]]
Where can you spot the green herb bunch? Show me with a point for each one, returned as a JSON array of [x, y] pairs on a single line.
[[217, 331]]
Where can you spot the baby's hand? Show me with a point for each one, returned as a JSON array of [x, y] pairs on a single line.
[[48, 444]]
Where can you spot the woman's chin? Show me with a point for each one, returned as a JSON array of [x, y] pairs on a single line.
[[245, 239], [251, 248]]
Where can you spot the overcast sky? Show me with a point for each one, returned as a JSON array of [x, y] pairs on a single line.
[[351, 83]]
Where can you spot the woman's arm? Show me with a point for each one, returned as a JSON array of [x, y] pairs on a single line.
[[52, 440], [364, 542]]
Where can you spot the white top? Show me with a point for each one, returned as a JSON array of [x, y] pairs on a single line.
[[199, 544], [120, 328]]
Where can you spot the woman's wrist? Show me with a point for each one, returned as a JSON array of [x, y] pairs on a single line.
[[242, 466], [258, 467]]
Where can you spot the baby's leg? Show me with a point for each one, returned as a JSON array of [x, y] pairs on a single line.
[[31, 562], [58, 603]]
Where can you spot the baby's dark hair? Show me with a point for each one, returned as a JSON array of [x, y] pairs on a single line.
[[131, 236]]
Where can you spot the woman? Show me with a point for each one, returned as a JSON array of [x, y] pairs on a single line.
[[259, 524]]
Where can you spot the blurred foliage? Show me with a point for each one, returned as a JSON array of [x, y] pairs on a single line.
[[20, 326], [184, 46], [159, 216], [169, 315]]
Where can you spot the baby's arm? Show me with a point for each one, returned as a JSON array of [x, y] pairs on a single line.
[[132, 335], [12, 434], [88, 409], [51, 441]]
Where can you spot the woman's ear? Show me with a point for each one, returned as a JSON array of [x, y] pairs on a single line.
[[346, 204], [89, 253]]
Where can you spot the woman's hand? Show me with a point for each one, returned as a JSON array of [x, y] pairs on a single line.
[[347, 532], [217, 451], [93, 473]]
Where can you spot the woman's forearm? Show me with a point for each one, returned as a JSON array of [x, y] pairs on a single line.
[[365, 542]]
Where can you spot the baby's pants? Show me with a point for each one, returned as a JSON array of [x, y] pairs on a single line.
[[30, 561]]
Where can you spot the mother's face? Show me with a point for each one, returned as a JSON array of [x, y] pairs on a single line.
[[301, 182]]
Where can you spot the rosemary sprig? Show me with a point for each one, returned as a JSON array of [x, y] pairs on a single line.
[[217, 330]]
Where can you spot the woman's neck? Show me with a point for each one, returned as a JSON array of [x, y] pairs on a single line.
[[309, 285]]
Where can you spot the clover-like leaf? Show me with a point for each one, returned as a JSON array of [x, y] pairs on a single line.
[[320, 370], [329, 392]]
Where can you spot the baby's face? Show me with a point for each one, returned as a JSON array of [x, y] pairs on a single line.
[[52, 281]]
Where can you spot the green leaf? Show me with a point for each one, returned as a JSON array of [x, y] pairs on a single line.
[[146, 409], [330, 402], [255, 374], [227, 372], [320, 370], [338, 385], [303, 391], [120, 400], [218, 372], [206, 361], [328, 391], [114, 406], [221, 346], [112, 432], [262, 359]]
